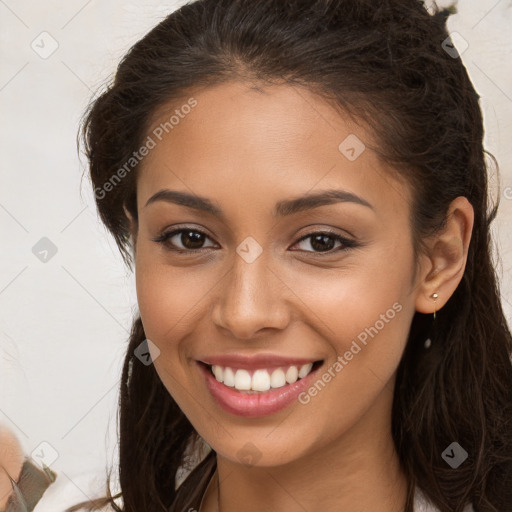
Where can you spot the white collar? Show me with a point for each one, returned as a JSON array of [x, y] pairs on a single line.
[[422, 504]]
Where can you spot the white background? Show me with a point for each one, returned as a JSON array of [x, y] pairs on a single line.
[[64, 323]]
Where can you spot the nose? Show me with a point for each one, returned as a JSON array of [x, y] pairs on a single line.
[[251, 299]]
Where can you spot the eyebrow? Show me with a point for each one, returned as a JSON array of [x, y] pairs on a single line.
[[282, 208]]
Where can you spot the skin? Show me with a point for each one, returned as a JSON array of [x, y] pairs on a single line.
[[247, 148], [11, 462]]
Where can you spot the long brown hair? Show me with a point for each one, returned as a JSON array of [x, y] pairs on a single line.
[[385, 63]]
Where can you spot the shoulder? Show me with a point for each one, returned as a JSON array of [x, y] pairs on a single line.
[[422, 504]]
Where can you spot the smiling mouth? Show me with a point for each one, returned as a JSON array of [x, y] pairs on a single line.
[[260, 380]]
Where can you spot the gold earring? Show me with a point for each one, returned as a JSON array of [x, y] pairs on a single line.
[[434, 296]]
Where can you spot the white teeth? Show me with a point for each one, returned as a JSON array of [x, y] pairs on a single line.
[[292, 374], [277, 380], [305, 369], [218, 372], [243, 380], [261, 380], [229, 377]]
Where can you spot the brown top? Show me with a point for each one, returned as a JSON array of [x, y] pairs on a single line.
[[32, 483]]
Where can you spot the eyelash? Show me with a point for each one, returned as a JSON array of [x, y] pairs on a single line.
[[164, 240]]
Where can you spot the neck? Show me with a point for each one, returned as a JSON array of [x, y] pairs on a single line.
[[359, 470]]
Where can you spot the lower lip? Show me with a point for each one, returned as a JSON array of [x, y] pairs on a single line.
[[255, 404]]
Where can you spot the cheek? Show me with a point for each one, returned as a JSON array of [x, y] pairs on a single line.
[[364, 312], [368, 287], [169, 297], [365, 323], [169, 301]]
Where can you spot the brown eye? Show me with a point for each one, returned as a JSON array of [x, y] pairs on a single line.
[[189, 239], [324, 242]]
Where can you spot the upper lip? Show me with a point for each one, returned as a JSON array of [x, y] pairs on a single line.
[[256, 361]]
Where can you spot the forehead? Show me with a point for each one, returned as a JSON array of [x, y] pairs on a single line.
[[241, 142]]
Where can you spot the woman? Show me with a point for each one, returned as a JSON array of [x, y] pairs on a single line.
[[302, 188]]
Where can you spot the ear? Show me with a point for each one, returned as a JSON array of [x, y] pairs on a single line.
[[445, 262], [133, 224]]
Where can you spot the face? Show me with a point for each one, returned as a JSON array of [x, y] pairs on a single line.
[[245, 280]]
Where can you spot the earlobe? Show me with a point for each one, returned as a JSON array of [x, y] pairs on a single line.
[[131, 220], [133, 227], [448, 251]]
